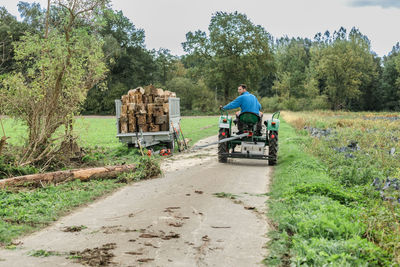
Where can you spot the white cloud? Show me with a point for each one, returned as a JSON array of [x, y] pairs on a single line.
[[167, 21]]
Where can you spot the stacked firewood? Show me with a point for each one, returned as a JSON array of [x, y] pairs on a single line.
[[145, 109]]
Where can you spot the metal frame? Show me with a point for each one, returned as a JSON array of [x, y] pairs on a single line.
[[247, 156], [151, 138]]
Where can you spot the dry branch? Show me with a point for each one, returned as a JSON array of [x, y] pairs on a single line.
[[108, 172]]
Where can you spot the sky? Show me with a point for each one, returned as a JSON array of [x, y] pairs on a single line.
[[166, 22]]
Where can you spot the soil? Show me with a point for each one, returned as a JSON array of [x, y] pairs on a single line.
[[96, 256], [175, 220]]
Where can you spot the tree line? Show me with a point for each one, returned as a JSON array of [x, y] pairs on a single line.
[[331, 71]]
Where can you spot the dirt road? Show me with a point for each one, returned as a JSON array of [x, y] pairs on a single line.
[[175, 220]]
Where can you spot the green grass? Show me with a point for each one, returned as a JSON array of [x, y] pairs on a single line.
[[318, 221], [197, 128], [23, 212], [43, 253], [101, 132]]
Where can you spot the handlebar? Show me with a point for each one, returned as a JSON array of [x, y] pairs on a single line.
[[222, 112], [278, 113]]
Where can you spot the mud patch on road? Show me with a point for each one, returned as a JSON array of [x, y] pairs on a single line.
[[175, 224], [96, 256], [116, 228], [134, 253], [145, 260], [171, 209], [73, 228], [160, 234]]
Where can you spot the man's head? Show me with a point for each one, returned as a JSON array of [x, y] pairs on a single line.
[[242, 88]]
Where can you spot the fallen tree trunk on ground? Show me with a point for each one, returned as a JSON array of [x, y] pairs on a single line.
[[62, 176]]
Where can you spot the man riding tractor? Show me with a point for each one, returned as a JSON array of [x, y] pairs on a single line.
[[247, 103]]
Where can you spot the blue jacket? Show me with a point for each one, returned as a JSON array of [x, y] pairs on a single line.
[[247, 102]]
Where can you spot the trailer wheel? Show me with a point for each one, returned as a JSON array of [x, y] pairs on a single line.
[[273, 148], [222, 147]]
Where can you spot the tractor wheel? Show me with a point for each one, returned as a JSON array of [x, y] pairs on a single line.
[[222, 147], [273, 148]]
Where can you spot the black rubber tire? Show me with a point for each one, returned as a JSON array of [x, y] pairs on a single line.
[[273, 148], [222, 147]]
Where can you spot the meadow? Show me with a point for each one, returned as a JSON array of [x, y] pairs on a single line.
[[97, 131], [335, 195], [28, 209]]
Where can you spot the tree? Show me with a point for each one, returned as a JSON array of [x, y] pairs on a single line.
[[194, 96], [130, 64], [236, 51], [165, 63], [292, 59], [10, 31], [345, 67], [55, 71], [390, 82]]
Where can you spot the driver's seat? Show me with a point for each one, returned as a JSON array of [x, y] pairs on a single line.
[[248, 120]]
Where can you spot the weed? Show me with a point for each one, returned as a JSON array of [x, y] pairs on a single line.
[[319, 203], [22, 212], [74, 228], [43, 253], [225, 195], [329, 190]]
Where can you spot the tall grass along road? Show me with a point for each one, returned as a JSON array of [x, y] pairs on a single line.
[[335, 193]]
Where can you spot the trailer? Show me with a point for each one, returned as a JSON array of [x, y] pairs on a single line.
[[147, 139]]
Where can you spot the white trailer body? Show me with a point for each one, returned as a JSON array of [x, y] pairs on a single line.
[[152, 138]]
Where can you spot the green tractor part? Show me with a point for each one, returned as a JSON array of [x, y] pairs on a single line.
[[252, 146]]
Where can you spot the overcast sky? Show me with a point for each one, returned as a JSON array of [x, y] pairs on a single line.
[[167, 21]]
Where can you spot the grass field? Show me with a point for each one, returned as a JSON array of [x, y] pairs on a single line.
[[331, 199], [24, 211], [101, 132]]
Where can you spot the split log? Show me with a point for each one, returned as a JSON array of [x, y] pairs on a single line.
[[166, 108], [143, 128], [140, 89], [145, 99], [149, 118], [164, 127], [124, 110], [150, 108], [159, 101], [124, 124], [154, 91], [132, 107], [131, 96], [158, 111], [154, 128], [141, 119], [131, 123], [138, 97], [161, 119], [109, 172], [125, 99], [141, 109]]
